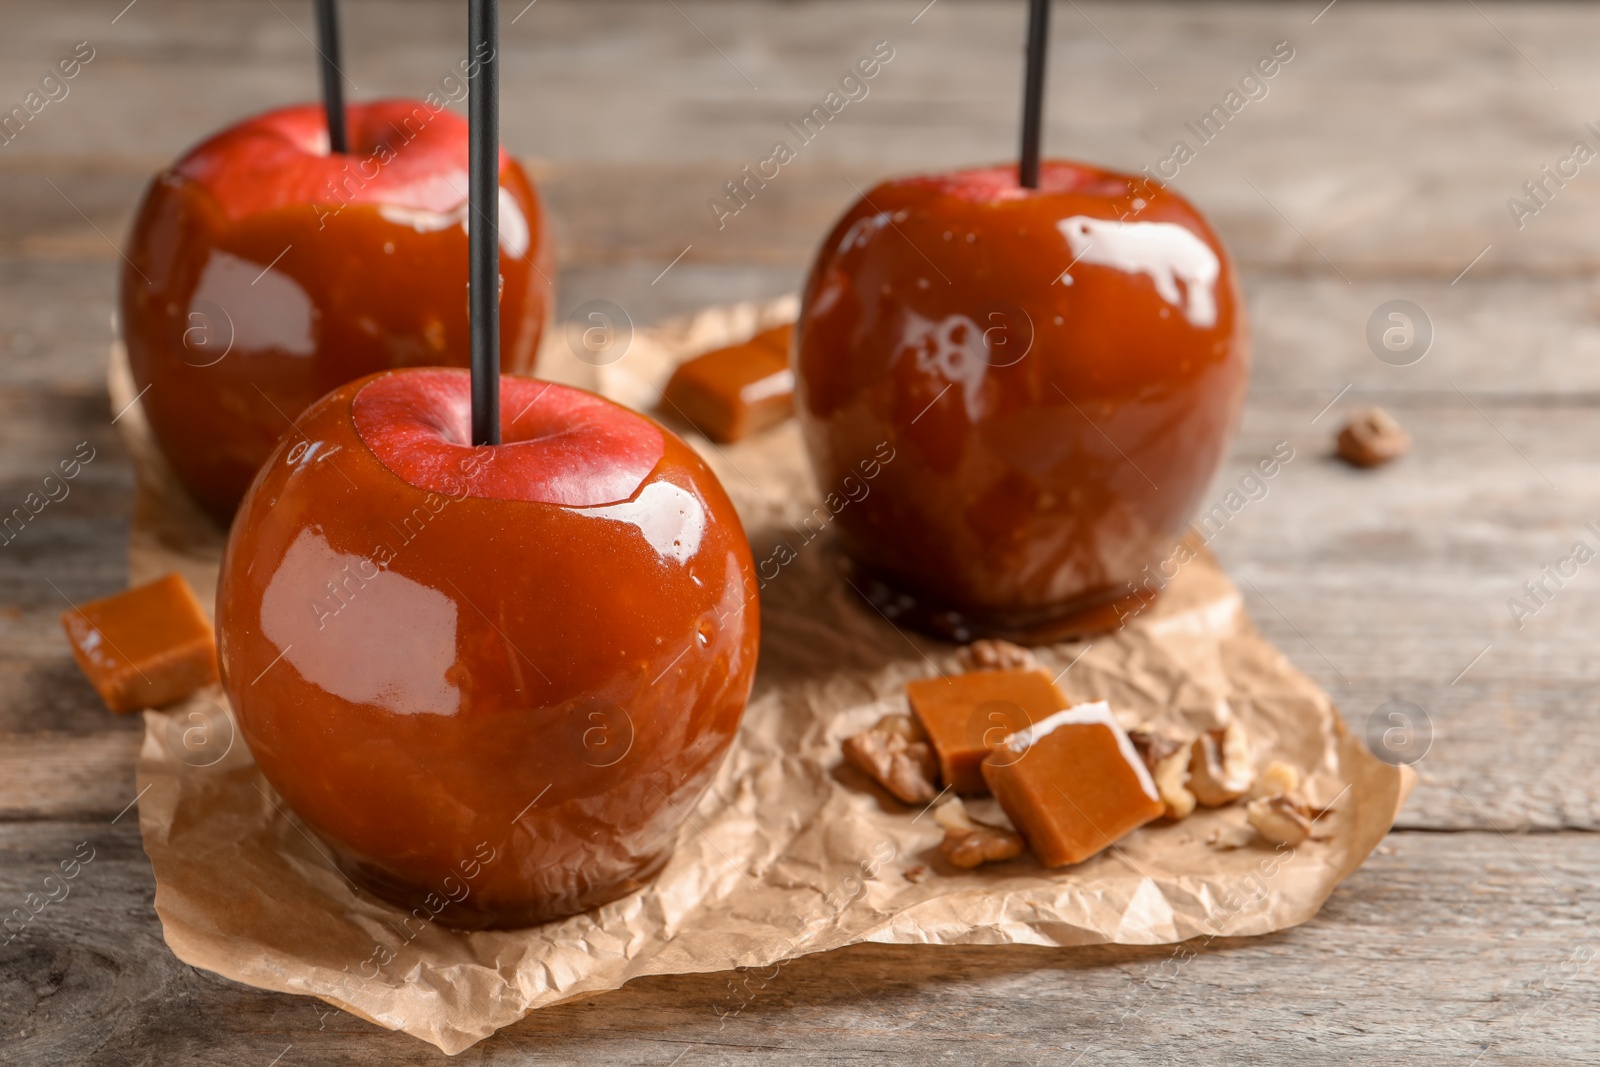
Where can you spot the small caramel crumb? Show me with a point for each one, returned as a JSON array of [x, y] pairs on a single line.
[[896, 753], [995, 655], [968, 842], [1372, 438], [917, 874], [1219, 766], [1283, 819]]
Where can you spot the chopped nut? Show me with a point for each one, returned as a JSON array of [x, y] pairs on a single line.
[[1231, 836], [1281, 819], [1279, 779], [901, 726], [896, 753], [968, 842], [995, 655], [1153, 746], [952, 815], [917, 874], [1172, 778], [1167, 759], [1315, 812], [970, 850], [1219, 766], [1372, 438]]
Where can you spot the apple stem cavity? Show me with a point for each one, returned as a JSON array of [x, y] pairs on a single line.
[[332, 79], [1033, 91], [483, 239]]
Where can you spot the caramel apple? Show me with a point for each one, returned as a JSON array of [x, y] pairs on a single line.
[[264, 270], [1059, 371], [497, 676]]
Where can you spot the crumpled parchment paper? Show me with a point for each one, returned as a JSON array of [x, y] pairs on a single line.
[[792, 851]]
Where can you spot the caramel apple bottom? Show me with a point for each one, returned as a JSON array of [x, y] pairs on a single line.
[[1056, 374], [1095, 613], [494, 680]]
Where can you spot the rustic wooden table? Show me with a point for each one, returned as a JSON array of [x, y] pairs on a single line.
[[1377, 168]]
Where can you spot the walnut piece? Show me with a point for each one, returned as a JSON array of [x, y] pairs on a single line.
[[1372, 438], [917, 874], [1152, 745], [1167, 759], [1282, 819], [1172, 785], [905, 726], [1279, 779], [1219, 766], [968, 842], [897, 754], [995, 655]]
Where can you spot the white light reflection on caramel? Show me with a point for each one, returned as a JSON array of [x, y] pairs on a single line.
[[267, 309], [672, 519], [1169, 253], [330, 610]]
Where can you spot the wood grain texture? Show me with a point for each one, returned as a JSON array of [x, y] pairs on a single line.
[[1490, 94], [1377, 167], [1441, 948]]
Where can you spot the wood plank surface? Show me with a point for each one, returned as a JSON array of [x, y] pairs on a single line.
[[1377, 167], [1442, 948]]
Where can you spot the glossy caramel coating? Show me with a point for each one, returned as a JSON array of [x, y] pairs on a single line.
[[1059, 372], [432, 662], [263, 272]]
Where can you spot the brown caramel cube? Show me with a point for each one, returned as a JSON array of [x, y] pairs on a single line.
[[966, 715], [144, 648], [736, 391], [1072, 783]]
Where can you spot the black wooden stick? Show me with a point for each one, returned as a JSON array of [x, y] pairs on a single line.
[[1033, 91], [332, 80], [483, 157]]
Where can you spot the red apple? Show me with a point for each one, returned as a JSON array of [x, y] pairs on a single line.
[[264, 271], [1057, 371], [501, 675]]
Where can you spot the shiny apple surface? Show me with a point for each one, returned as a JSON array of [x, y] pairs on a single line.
[[1058, 372], [264, 271], [537, 652]]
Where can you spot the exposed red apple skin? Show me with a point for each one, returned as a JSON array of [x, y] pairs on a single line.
[[1026, 490], [310, 270], [433, 663]]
